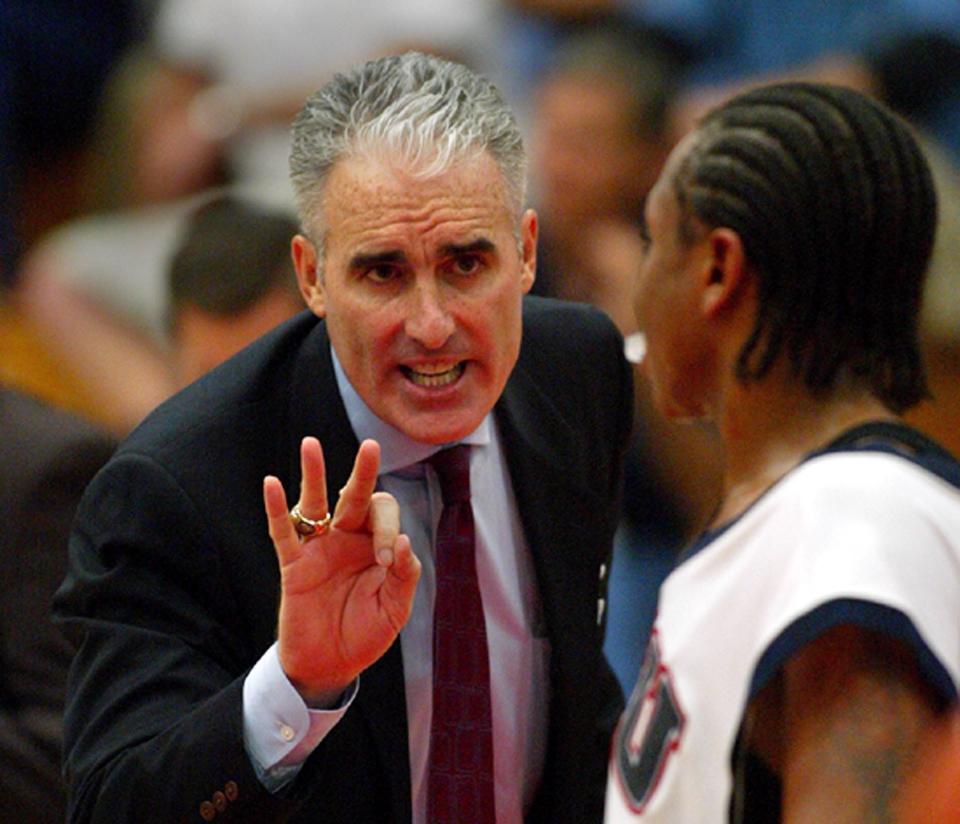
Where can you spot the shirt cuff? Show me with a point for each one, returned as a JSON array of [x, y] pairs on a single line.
[[279, 730]]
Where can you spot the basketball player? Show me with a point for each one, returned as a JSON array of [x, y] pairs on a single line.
[[810, 638]]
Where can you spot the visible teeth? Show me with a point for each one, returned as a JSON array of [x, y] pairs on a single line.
[[425, 376], [435, 369]]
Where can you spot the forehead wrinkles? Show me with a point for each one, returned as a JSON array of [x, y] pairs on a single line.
[[410, 215], [369, 200]]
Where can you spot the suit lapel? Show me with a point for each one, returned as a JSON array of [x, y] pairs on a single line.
[[316, 408], [553, 492]]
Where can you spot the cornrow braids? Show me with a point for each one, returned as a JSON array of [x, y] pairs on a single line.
[[834, 203]]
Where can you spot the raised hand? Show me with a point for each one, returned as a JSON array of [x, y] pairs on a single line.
[[346, 593]]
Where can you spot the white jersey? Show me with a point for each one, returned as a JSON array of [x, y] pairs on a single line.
[[865, 533]]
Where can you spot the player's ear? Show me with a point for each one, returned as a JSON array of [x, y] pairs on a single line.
[[305, 262], [726, 273]]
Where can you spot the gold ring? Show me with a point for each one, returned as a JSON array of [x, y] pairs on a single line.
[[308, 527]]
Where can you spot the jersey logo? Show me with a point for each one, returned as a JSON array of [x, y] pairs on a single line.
[[649, 731]]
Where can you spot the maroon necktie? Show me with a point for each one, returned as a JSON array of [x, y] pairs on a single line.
[[460, 778]]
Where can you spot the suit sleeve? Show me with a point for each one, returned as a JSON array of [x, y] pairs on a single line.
[[169, 603], [153, 726]]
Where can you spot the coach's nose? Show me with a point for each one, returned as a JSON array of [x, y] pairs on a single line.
[[428, 321]]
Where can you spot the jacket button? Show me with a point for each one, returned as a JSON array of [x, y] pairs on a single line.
[[219, 801], [231, 790], [207, 811]]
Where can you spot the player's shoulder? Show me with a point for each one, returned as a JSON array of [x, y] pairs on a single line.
[[882, 481], [878, 461]]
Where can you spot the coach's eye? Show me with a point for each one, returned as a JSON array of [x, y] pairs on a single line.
[[382, 273], [467, 264]]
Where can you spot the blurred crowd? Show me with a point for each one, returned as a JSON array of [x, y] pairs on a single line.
[[145, 231]]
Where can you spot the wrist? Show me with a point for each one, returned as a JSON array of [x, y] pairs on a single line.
[[320, 699], [318, 691]]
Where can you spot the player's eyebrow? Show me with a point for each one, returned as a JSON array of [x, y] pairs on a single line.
[[369, 260]]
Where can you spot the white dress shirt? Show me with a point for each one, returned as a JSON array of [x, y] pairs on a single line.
[[280, 731]]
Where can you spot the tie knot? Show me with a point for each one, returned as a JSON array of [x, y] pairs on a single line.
[[453, 469]]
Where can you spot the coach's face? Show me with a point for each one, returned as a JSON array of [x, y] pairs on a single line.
[[422, 287]]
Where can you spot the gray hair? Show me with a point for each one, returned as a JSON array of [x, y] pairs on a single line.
[[424, 111]]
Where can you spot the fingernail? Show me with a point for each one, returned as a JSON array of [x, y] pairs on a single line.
[[385, 557]]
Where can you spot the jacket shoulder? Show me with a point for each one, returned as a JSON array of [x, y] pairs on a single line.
[[251, 389]]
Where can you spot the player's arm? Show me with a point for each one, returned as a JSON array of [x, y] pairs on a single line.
[[852, 709]]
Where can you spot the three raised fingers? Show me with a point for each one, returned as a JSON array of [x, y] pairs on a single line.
[[359, 506], [355, 497], [284, 536], [313, 480]]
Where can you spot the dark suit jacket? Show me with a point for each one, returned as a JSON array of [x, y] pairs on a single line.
[[173, 589], [47, 457]]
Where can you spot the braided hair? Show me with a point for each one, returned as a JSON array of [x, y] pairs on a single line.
[[835, 206]]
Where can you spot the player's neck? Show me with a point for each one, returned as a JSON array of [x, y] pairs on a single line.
[[769, 427]]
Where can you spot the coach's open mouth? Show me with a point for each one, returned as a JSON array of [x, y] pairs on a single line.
[[434, 375]]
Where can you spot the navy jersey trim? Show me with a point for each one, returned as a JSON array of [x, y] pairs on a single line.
[[864, 614], [877, 436], [898, 439]]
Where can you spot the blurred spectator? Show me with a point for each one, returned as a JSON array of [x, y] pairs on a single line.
[[95, 292], [46, 460], [136, 339], [530, 32], [904, 51], [599, 139], [231, 280], [226, 78]]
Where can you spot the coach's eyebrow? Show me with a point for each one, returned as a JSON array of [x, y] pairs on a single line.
[[370, 260], [480, 245]]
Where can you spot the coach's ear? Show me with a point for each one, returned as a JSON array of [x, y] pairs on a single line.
[[305, 258], [728, 277], [529, 225]]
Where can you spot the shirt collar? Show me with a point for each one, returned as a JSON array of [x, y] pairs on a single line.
[[397, 450]]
